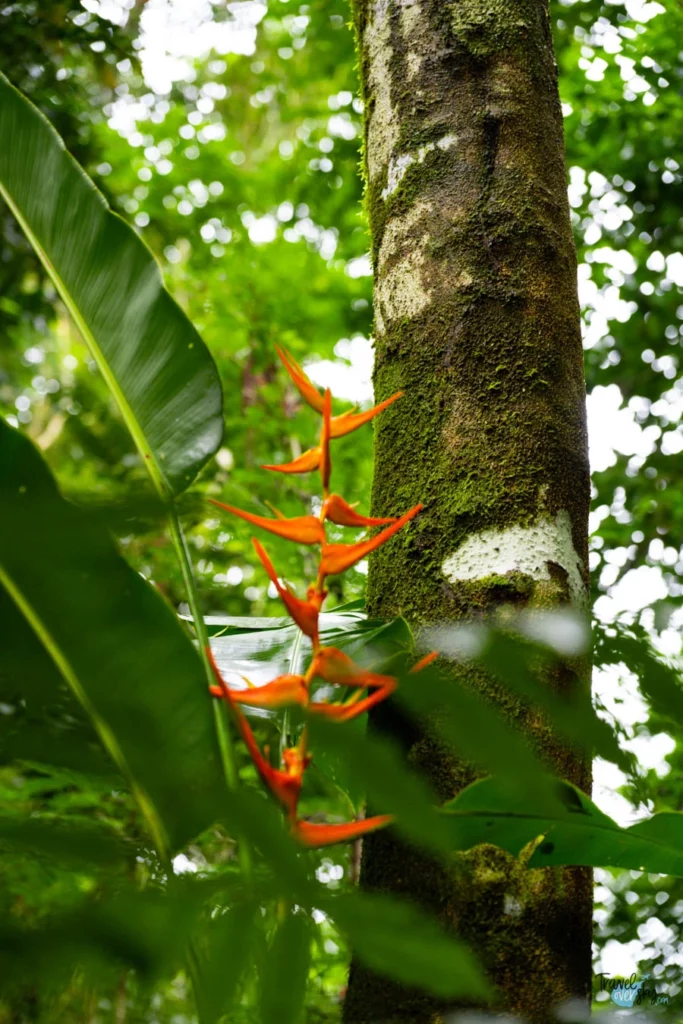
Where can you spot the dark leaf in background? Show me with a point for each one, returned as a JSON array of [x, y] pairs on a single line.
[[145, 931], [57, 840], [660, 682]]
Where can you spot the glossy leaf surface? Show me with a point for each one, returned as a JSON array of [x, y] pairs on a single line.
[[155, 364]]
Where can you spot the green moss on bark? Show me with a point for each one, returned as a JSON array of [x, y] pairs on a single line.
[[477, 321]]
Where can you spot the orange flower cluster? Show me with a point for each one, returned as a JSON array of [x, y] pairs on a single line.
[[328, 663]]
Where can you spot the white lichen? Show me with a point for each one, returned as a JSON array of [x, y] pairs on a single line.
[[399, 291], [412, 23], [523, 549], [398, 165], [383, 123]]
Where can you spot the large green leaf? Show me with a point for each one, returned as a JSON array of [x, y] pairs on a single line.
[[575, 831], [115, 643], [262, 648], [154, 362]]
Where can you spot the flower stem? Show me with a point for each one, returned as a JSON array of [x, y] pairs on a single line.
[[222, 729]]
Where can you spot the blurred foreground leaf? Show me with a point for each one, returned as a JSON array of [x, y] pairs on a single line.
[[227, 939], [283, 986], [400, 942], [115, 643]]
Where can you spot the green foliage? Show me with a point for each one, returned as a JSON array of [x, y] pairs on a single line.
[[154, 362], [402, 943], [574, 831], [80, 879], [114, 642], [286, 970]]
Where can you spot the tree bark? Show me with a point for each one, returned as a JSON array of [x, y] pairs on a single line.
[[477, 321]]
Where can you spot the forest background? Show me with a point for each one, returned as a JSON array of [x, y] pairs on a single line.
[[229, 135]]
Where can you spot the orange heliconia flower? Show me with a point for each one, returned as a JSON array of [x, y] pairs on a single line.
[[423, 662], [325, 462], [332, 665], [284, 785], [349, 421], [329, 663], [305, 613], [354, 707], [279, 693], [314, 835], [335, 667], [339, 512], [338, 558], [304, 386], [302, 529], [306, 463], [340, 425]]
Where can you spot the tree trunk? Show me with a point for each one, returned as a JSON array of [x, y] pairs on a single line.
[[477, 321]]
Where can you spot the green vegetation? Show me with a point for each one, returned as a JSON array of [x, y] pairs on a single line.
[[145, 874]]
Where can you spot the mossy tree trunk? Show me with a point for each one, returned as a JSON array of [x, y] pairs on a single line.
[[477, 321]]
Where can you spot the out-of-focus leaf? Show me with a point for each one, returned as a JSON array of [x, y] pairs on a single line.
[[146, 931], [517, 663], [59, 840], [227, 939], [157, 367], [660, 682], [524, 667], [115, 642], [474, 727], [401, 942], [283, 985], [375, 765], [575, 831]]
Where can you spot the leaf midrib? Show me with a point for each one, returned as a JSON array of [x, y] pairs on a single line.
[[141, 443], [591, 821], [108, 738]]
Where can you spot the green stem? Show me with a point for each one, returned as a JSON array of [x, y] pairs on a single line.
[[194, 971], [222, 729]]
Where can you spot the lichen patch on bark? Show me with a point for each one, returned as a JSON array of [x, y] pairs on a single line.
[[398, 165], [400, 291], [383, 126], [533, 550]]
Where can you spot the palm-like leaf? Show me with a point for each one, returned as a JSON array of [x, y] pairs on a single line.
[[157, 367]]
